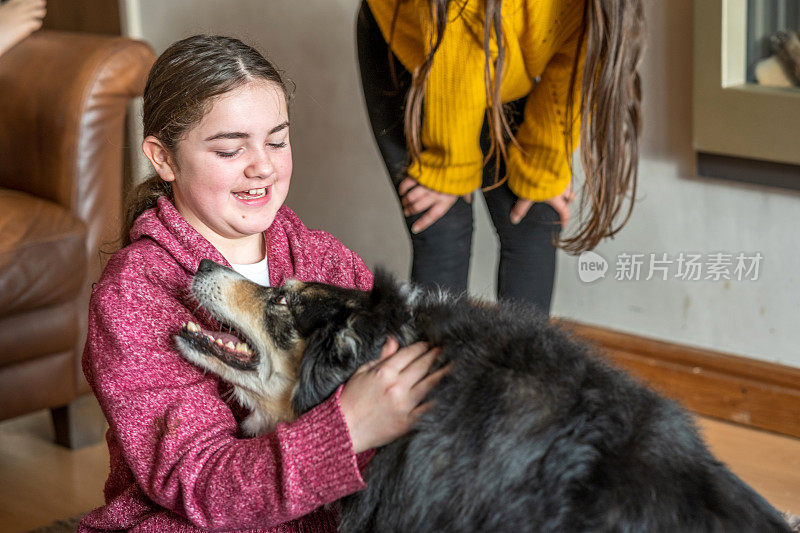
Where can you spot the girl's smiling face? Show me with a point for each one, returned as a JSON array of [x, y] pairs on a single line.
[[230, 173]]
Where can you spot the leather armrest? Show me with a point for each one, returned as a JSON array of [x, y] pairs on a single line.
[[63, 99]]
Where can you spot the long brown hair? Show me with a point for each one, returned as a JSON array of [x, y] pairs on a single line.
[[180, 90], [610, 102]]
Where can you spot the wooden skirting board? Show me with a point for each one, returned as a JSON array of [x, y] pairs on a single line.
[[742, 390]]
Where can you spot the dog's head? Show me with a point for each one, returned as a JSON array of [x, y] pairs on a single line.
[[285, 349]]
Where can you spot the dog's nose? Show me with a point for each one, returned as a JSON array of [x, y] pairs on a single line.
[[206, 265]]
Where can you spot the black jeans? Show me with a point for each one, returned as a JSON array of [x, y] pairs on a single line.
[[441, 253]]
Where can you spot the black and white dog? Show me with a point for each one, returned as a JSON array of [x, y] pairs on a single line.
[[530, 430]]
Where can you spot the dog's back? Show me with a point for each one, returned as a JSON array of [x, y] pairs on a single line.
[[532, 432]]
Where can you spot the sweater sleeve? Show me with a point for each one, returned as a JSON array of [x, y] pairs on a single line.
[[455, 101], [179, 438], [539, 168]]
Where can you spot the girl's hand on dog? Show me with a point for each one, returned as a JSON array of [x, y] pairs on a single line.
[[381, 401]]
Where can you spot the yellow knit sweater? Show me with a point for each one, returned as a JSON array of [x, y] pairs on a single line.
[[541, 41]]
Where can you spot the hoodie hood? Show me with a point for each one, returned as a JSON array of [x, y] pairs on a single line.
[[165, 225]]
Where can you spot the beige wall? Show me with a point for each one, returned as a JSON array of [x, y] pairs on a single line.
[[340, 184], [678, 211]]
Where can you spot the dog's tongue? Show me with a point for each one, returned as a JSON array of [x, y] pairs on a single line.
[[224, 337]]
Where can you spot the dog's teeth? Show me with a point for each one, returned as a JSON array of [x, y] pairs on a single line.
[[191, 326], [230, 345], [241, 347], [219, 341]]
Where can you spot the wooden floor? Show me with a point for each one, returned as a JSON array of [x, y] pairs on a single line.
[[41, 482]]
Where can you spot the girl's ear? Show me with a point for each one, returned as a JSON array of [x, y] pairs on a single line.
[[160, 157]]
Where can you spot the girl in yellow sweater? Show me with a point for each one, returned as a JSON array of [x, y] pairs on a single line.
[[446, 126]]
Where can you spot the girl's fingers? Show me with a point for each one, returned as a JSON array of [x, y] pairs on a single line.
[[520, 209], [417, 198], [426, 384], [406, 185], [421, 205], [423, 387], [431, 215], [37, 5], [390, 347], [562, 208], [412, 374], [403, 357], [416, 193], [420, 410], [27, 4]]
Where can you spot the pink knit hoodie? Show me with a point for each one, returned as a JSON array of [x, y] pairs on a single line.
[[178, 462]]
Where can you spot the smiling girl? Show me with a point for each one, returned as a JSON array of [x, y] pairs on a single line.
[[234, 169], [216, 126]]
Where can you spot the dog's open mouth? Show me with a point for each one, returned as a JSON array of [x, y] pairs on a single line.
[[228, 347]]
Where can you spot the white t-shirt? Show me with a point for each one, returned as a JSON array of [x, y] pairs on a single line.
[[255, 272]]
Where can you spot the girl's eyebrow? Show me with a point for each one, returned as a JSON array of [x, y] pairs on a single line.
[[228, 135], [243, 135], [279, 127]]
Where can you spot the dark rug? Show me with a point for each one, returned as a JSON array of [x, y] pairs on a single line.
[[70, 525]]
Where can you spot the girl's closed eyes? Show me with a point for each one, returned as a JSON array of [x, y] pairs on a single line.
[[233, 153]]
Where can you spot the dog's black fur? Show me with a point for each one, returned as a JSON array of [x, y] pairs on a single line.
[[530, 431]]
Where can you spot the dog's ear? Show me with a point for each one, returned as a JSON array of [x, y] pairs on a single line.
[[339, 342], [332, 354], [313, 316]]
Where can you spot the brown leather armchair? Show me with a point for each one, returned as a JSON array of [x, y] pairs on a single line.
[[63, 100]]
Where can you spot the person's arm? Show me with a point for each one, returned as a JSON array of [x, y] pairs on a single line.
[[451, 161], [538, 169], [178, 436]]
